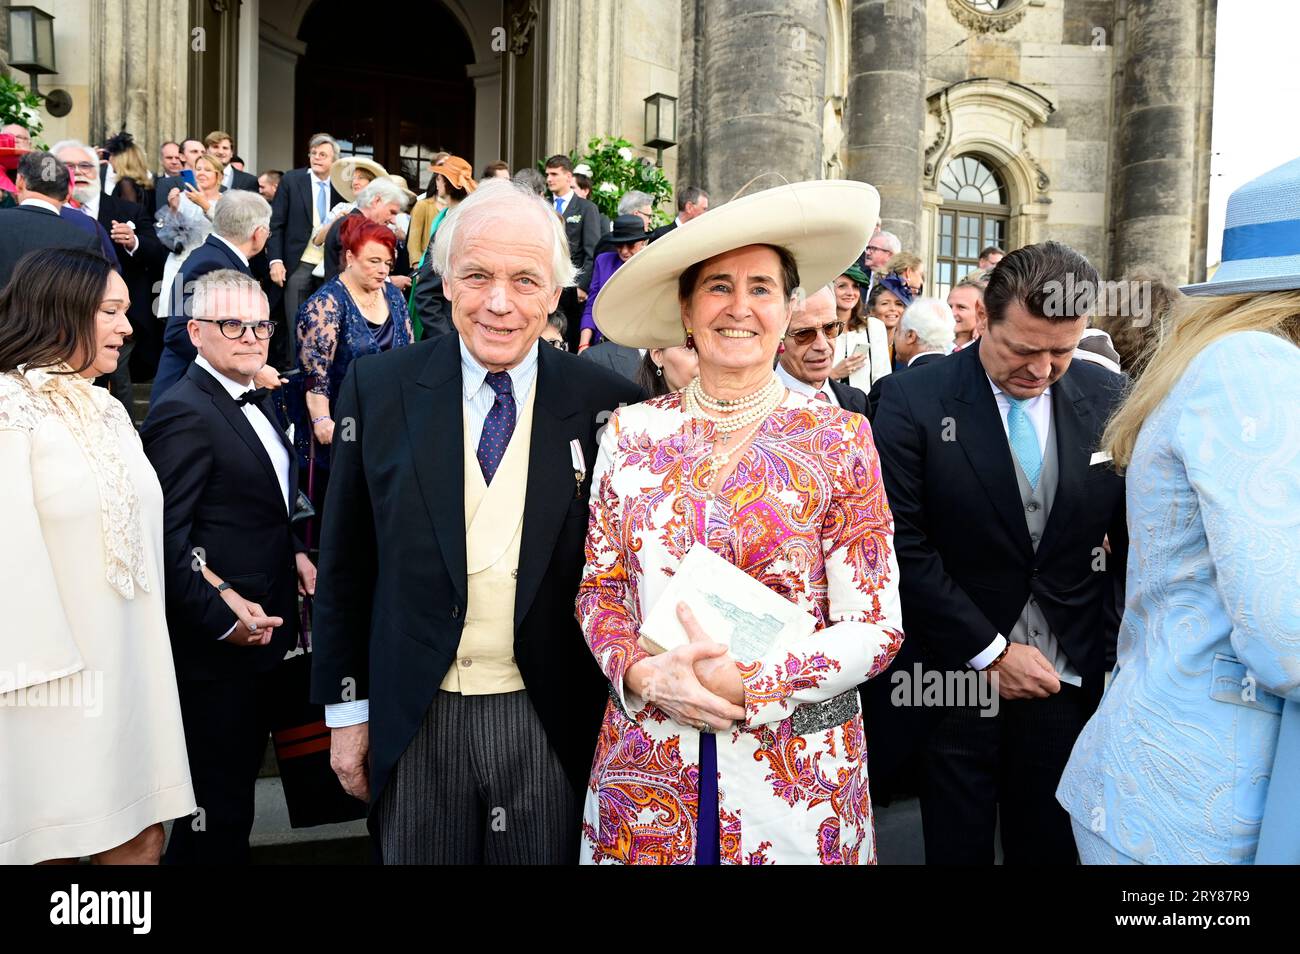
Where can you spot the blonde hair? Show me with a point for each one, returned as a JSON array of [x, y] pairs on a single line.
[[216, 164], [900, 262], [130, 163], [1195, 325]]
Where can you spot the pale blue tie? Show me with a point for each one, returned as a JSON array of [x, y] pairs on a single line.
[[321, 208], [1024, 441]]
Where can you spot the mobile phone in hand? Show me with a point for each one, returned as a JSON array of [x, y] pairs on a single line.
[[187, 176]]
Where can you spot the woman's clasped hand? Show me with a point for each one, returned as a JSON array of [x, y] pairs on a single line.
[[697, 684]]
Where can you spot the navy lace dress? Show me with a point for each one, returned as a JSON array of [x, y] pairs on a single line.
[[332, 333]]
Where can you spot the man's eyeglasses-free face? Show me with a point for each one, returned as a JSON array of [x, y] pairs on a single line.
[[806, 335], [233, 328]]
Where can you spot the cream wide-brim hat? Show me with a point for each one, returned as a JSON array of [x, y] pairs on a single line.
[[341, 174], [824, 224]]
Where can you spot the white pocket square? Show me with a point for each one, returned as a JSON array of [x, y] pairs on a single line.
[[1100, 457]]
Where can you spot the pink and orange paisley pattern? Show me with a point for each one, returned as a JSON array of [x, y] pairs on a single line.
[[805, 513]]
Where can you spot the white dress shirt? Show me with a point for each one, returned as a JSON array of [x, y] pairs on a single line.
[[477, 397], [41, 204], [233, 247], [262, 426], [1039, 411], [804, 388], [564, 202]]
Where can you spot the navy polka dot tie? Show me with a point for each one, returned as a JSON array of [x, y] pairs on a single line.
[[498, 426]]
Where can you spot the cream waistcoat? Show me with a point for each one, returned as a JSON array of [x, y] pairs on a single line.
[[494, 521]]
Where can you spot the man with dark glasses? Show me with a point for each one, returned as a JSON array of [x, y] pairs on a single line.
[[234, 566], [805, 364]]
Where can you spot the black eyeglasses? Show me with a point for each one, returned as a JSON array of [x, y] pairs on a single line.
[[233, 328], [806, 335], [876, 248]]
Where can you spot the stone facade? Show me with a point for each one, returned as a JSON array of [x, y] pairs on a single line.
[[1094, 115]]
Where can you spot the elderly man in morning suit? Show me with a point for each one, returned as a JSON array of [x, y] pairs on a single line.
[[461, 697]]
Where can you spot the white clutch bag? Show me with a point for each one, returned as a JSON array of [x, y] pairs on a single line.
[[730, 605]]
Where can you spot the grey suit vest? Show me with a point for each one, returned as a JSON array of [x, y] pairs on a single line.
[[1031, 628]]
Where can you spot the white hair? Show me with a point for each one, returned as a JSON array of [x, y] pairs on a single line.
[[891, 242], [239, 214], [634, 200], [203, 303], [62, 144], [383, 189], [932, 320], [507, 205]]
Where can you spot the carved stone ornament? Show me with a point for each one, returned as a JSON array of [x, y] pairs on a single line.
[[522, 27], [939, 108], [978, 19]]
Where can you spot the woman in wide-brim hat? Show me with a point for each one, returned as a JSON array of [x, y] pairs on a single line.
[[1193, 756], [348, 176], [628, 237], [787, 490]]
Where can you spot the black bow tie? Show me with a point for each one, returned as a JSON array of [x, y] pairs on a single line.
[[254, 396]]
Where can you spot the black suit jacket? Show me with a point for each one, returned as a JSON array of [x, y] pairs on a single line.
[[618, 358], [220, 493], [138, 270], [334, 245], [25, 229], [244, 180], [663, 230], [178, 351], [291, 217], [850, 398], [966, 563], [582, 226], [393, 587], [873, 396]]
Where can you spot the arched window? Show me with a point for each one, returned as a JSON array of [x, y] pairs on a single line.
[[973, 216]]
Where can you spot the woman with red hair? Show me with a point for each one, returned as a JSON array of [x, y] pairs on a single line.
[[357, 312]]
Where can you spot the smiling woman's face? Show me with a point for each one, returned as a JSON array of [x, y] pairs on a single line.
[[738, 310]]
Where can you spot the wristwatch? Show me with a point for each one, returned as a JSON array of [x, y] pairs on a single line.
[[225, 586]]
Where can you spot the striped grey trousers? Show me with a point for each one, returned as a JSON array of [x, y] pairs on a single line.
[[479, 784]]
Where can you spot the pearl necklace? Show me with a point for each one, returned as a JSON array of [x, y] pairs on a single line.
[[721, 405], [768, 398]]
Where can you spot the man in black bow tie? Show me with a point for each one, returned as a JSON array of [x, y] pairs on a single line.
[[235, 567]]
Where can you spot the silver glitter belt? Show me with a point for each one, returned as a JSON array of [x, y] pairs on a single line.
[[813, 717]]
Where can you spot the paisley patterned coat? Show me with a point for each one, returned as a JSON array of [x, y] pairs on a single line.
[[804, 512]]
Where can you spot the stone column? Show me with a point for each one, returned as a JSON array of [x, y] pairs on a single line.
[[138, 71], [1163, 137], [886, 109], [752, 88]]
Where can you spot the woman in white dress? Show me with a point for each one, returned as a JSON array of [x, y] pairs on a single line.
[[862, 350], [186, 223], [90, 725]]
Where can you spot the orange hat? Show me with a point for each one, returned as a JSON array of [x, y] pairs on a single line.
[[457, 171]]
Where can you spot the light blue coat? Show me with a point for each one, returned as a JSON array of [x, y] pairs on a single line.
[[1175, 765]]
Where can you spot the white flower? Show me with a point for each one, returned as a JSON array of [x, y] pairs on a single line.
[[608, 187], [30, 114], [625, 154]]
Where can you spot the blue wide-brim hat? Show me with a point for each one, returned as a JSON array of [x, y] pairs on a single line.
[[1261, 237]]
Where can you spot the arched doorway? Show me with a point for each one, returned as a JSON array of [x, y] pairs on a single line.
[[974, 214], [392, 87]]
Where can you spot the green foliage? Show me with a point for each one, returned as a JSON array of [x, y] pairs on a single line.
[[616, 170], [20, 105]]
